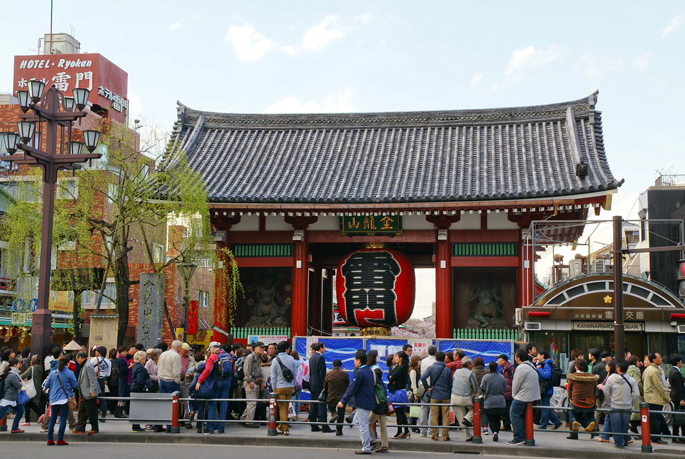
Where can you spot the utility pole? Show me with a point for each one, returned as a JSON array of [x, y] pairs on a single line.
[[619, 331]]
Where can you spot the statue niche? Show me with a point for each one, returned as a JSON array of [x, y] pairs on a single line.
[[268, 309], [486, 298]]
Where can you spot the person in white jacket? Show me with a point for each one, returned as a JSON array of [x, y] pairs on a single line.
[[621, 389]]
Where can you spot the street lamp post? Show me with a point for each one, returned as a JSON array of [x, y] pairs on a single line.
[[187, 269], [57, 113]]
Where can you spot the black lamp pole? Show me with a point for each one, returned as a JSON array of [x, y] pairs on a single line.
[[45, 106]]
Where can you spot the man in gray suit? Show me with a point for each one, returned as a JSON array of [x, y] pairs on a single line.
[[89, 389]]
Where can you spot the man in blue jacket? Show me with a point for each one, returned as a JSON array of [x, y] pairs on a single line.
[[544, 366], [440, 389], [360, 394]]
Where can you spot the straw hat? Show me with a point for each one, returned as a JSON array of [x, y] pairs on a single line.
[[73, 346]]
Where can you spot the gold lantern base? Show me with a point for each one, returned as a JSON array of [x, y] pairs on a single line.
[[374, 331]]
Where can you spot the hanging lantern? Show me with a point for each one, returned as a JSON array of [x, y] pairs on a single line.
[[375, 288]]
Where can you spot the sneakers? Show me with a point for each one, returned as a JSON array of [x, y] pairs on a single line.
[[445, 438], [51, 443], [434, 438], [43, 430], [466, 422], [137, 430], [61, 443], [520, 443], [557, 425], [574, 426]]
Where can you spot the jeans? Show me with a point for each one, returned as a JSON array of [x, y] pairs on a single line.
[[62, 411], [18, 412], [517, 414], [103, 403], [168, 387], [222, 390], [606, 427], [201, 408], [361, 420], [619, 424], [547, 415], [584, 416], [296, 405]]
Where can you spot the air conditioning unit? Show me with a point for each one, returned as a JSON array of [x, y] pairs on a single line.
[[599, 266], [532, 326], [575, 268], [681, 329]]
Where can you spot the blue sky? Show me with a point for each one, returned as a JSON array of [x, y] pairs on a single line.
[[274, 56]]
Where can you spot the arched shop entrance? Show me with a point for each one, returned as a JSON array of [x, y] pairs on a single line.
[[579, 314], [292, 195]]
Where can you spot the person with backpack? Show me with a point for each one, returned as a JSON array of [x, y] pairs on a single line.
[[283, 371], [11, 386], [549, 375], [219, 366]]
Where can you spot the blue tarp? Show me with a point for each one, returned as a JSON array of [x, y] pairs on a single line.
[[489, 350]]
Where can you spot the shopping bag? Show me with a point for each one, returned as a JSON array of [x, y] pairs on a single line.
[[414, 411]]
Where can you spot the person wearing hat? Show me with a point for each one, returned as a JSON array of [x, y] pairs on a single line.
[[222, 386], [335, 384], [187, 373], [253, 378]]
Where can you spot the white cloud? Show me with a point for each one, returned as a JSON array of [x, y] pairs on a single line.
[[476, 80], [247, 43], [336, 103], [524, 59], [288, 49], [320, 35], [672, 26], [365, 18], [595, 64], [641, 62], [174, 26]]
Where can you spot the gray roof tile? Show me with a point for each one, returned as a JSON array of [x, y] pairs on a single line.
[[462, 155]]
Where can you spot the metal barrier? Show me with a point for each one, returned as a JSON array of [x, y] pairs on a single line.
[[273, 402]]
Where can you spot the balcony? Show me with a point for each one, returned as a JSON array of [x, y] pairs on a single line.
[[670, 180], [8, 286]]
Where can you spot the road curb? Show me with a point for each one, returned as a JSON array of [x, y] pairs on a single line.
[[454, 446]]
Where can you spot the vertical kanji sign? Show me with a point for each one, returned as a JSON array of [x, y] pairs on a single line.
[[192, 318]]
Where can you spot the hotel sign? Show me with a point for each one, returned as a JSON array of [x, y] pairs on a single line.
[[365, 225], [606, 326]]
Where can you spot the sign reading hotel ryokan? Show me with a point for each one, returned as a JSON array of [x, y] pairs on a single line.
[[107, 83]]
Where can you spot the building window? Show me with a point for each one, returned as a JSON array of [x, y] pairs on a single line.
[[157, 253], [67, 188], [89, 298], [203, 298], [112, 193]]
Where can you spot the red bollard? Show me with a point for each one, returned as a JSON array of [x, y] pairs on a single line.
[[175, 413], [272, 415], [530, 439], [3, 423], [646, 434], [477, 438]]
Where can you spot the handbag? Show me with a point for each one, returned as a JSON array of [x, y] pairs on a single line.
[[22, 397], [414, 411], [390, 410], [323, 396], [72, 404], [29, 386], [206, 389]]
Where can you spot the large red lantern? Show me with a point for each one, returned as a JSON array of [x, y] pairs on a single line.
[[375, 288]]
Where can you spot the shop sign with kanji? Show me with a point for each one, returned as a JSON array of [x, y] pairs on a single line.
[[365, 225]]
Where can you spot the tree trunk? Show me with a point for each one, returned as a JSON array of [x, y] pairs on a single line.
[[123, 284], [76, 316]]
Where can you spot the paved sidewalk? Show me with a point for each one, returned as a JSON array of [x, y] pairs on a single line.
[[552, 444]]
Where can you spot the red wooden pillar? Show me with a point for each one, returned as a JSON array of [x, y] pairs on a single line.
[[443, 276], [300, 303]]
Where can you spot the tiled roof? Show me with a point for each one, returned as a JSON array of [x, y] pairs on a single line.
[[462, 155]]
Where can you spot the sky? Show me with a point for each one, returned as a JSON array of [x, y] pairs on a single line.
[[375, 56]]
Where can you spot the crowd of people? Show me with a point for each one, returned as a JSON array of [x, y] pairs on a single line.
[[428, 393]]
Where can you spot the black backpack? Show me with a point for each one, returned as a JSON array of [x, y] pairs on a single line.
[[556, 376], [239, 370], [2, 386]]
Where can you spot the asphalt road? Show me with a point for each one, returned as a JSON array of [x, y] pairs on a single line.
[[21, 450]]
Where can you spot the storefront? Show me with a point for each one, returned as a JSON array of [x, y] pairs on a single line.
[[579, 314]]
